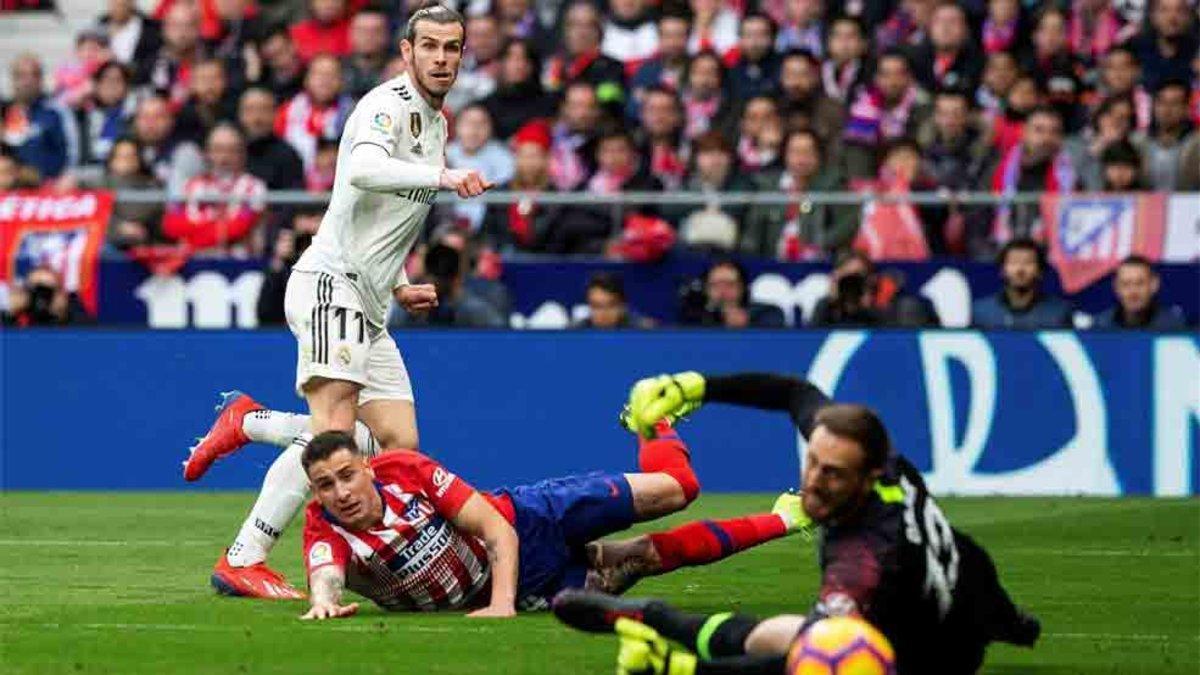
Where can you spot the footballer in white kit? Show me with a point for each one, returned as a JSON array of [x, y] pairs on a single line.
[[390, 166], [340, 290]]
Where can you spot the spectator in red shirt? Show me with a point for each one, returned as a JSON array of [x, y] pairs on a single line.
[[224, 226], [316, 113], [894, 230], [327, 31], [1009, 124], [526, 224]]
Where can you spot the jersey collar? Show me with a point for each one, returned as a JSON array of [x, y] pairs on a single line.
[[418, 100]]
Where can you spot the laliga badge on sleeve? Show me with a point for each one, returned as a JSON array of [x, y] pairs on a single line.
[[382, 122], [321, 553]]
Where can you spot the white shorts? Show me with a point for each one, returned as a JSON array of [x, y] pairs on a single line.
[[338, 343]]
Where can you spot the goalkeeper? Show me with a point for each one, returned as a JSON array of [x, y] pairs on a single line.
[[887, 552]]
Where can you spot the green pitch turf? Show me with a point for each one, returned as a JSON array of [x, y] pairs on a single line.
[[118, 583]]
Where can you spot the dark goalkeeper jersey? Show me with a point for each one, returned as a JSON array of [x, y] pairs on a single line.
[[897, 563], [929, 588]]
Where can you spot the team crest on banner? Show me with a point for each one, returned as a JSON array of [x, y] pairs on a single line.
[[1090, 236], [63, 232]]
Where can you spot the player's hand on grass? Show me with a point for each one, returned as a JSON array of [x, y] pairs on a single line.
[[668, 397], [323, 611], [490, 612], [466, 182], [645, 652], [415, 298]]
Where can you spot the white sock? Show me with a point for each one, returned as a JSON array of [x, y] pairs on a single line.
[[284, 491], [274, 427], [279, 428]]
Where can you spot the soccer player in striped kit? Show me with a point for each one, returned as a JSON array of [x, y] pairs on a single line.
[[407, 533], [391, 164]]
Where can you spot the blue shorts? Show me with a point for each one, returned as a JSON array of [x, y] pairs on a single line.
[[556, 518]]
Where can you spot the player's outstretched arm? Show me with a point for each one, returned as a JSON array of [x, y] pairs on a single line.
[[671, 396], [326, 584], [480, 519], [800, 398], [371, 168]]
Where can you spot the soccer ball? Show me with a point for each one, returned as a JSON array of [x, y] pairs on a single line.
[[841, 645]]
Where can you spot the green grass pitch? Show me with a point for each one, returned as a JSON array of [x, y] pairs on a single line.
[[118, 583]]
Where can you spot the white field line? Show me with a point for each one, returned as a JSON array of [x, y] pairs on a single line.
[[167, 543], [353, 626]]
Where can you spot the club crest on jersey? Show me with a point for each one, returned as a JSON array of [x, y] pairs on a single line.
[[382, 122], [343, 355]]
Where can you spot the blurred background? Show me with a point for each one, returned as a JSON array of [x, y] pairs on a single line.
[[822, 188]]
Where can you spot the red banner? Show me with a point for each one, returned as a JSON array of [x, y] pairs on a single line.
[[1090, 235], [63, 232]]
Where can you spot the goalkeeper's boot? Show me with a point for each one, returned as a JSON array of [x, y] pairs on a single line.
[[252, 581], [645, 652], [790, 507], [596, 612], [225, 437]]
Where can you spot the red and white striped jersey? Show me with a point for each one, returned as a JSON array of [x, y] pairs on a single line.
[[417, 559]]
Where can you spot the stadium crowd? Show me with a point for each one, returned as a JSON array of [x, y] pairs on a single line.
[[233, 99]]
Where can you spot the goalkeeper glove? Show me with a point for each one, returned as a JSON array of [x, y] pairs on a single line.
[[668, 397], [645, 652]]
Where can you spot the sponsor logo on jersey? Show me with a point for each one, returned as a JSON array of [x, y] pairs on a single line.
[[419, 195], [321, 553], [382, 122], [414, 124], [442, 480]]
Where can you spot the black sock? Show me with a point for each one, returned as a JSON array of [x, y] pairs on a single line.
[[710, 635], [756, 664]]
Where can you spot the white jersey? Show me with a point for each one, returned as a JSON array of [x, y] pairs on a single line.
[[366, 236]]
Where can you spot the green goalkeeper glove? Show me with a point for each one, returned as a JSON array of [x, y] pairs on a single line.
[[668, 397], [645, 652]]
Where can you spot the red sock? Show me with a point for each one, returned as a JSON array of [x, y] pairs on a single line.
[[667, 454], [707, 541]]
